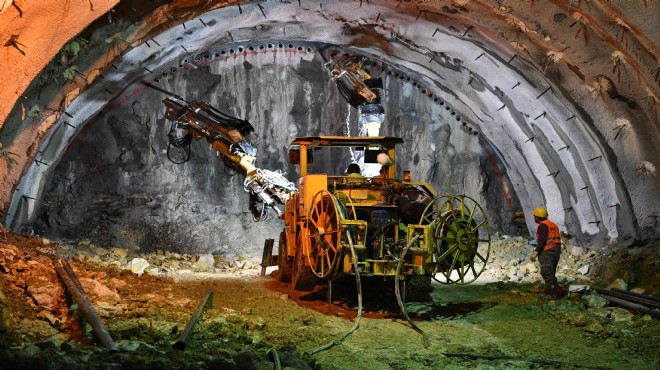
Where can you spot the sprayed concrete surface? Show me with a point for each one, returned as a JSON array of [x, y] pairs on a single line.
[[551, 133]]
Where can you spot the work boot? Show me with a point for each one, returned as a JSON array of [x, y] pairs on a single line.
[[550, 293]]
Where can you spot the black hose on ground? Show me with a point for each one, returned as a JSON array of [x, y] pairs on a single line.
[[359, 315], [397, 291], [275, 358]]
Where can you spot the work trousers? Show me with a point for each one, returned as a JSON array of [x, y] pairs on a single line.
[[549, 260]]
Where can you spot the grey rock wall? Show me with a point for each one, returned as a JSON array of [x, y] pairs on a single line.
[[116, 187], [589, 157]]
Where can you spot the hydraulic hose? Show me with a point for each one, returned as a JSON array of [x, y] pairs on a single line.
[[397, 292], [275, 358], [380, 231], [359, 291]]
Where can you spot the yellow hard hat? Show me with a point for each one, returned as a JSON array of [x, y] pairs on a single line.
[[541, 212]]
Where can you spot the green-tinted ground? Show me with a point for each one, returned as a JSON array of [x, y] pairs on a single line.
[[492, 326]]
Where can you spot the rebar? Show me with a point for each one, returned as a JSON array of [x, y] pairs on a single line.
[[544, 91]]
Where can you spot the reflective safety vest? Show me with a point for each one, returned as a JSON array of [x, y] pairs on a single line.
[[554, 239]]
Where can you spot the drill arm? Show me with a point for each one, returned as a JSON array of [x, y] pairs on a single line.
[[227, 135]]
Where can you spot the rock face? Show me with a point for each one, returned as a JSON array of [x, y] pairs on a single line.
[[116, 186], [612, 120]]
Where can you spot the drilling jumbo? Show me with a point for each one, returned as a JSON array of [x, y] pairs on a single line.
[[336, 226]]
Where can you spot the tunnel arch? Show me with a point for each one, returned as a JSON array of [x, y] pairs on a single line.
[[512, 118]]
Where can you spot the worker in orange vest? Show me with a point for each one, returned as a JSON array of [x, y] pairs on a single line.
[[548, 251]]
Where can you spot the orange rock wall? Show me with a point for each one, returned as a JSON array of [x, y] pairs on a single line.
[[40, 30]]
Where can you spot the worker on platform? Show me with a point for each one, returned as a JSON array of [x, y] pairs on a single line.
[[383, 174], [548, 250], [353, 174], [384, 170]]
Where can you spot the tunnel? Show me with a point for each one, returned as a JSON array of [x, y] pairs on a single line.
[[517, 105], [483, 117]]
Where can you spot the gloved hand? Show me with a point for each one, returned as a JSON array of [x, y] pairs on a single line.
[[533, 256]]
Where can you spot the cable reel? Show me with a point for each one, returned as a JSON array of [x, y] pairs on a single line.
[[461, 234]]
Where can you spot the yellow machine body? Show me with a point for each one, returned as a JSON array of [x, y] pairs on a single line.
[[376, 214]]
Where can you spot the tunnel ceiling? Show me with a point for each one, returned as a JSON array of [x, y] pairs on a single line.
[[564, 95]]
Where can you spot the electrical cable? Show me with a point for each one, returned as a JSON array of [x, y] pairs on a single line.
[[359, 315]]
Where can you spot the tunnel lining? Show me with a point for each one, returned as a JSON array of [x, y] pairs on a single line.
[[462, 99]]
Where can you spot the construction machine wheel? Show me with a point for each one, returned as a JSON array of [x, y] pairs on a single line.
[[284, 265], [462, 238], [302, 277], [323, 227]]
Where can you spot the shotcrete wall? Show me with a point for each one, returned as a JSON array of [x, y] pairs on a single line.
[[552, 131], [115, 185]]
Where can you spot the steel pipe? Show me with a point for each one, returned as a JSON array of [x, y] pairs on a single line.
[[72, 274], [78, 293], [629, 297], [181, 343], [634, 294], [635, 306]]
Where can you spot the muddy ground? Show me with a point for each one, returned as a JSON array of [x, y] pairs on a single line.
[[497, 322]]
